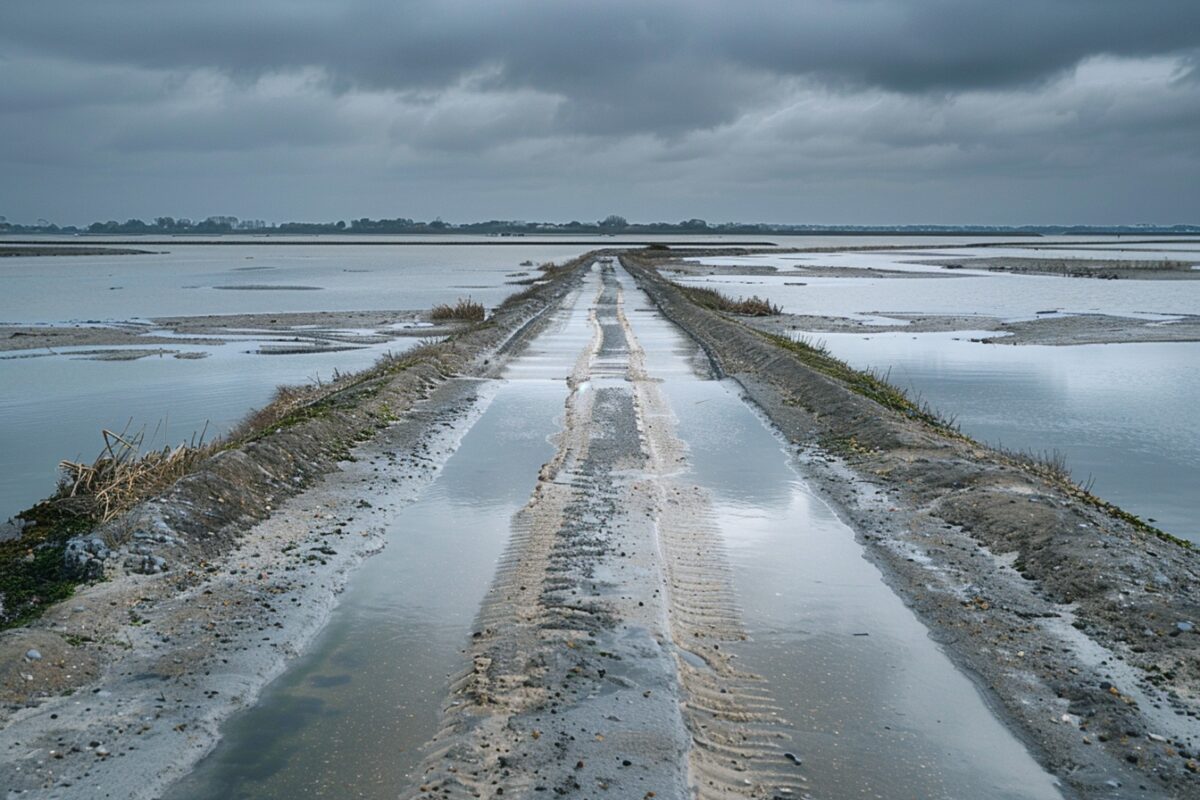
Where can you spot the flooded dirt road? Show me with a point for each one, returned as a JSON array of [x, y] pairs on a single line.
[[674, 613]]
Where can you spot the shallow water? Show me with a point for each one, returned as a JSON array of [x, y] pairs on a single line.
[[1123, 415], [55, 407], [877, 710], [882, 715], [349, 718], [181, 280]]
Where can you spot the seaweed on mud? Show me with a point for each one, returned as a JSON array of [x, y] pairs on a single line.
[[31, 566]]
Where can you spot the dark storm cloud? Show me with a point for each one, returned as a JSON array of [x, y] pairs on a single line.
[[660, 66], [746, 108]]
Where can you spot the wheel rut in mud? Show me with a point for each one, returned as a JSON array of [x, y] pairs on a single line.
[[597, 661]]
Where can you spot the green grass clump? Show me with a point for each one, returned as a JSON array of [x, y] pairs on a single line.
[[465, 310]]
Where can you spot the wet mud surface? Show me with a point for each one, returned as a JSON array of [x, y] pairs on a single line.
[[1052, 328]]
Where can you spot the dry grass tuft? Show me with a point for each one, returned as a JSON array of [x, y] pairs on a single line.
[[466, 310], [753, 306], [122, 475]]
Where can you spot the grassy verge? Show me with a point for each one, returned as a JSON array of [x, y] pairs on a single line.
[[1050, 467], [753, 306], [868, 384]]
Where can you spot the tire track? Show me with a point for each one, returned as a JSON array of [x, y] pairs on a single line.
[[596, 665]]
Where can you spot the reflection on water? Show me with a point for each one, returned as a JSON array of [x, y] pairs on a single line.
[[1123, 414], [884, 714], [348, 719], [181, 281], [55, 407], [877, 709]]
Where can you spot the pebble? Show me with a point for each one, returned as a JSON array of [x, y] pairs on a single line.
[[1184, 627], [33, 655]]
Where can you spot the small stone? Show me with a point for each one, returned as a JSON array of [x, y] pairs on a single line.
[[101, 751], [33, 654], [1184, 627]]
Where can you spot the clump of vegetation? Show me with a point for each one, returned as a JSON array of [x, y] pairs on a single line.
[[31, 566], [753, 306], [465, 310], [122, 474], [1052, 467], [32, 575], [864, 382]]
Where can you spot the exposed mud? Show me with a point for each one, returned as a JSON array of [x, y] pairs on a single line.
[[1101, 268], [1078, 622], [1052, 328], [315, 327], [66, 250]]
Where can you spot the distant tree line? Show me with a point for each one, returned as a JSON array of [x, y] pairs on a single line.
[[612, 224]]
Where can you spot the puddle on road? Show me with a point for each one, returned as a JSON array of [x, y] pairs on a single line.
[[884, 714], [349, 718]]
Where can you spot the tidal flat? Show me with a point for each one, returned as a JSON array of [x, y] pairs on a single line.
[[678, 557]]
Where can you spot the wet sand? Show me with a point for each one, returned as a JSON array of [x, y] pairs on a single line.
[[1099, 268], [1050, 329], [364, 327], [15, 251]]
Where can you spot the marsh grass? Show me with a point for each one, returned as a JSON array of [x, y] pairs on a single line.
[[753, 306], [1049, 465], [32, 573], [868, 383], [122, 474], [465, 310]]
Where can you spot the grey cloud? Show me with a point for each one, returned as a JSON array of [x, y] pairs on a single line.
[[773, 110], [664, 66]]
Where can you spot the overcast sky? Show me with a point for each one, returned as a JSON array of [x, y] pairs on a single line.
[[825, 111]]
